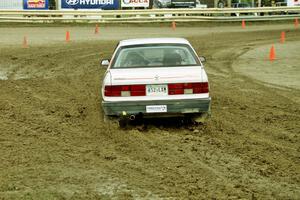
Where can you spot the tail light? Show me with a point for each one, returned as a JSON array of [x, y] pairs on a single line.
[[124, 90], [140, 90], [176, 88], [188, 88], [199, 88]]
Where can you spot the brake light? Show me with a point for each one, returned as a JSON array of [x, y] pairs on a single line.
[[188, 88], [124, 90], [112, 91], [176, 88], [199, 88]]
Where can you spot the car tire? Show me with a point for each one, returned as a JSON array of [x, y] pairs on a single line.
[[123, 122]]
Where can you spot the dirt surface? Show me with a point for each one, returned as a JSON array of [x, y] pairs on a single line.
[[52, 35], [283, 71], [54, 144]]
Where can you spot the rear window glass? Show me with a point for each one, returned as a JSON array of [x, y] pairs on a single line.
[[155, 55]]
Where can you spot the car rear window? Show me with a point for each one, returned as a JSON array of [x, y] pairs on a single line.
[[155, 55]]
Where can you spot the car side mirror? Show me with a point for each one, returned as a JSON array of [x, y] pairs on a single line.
[[202, 59], [105, 63]]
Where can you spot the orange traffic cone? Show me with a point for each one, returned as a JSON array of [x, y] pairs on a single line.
[[25, 42], [68, 36], [96, 29], [296, 22], [243, 24], [272, 55], [282, 38], [173, 25]]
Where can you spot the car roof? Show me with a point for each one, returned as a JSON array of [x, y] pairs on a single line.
[[139, 41]]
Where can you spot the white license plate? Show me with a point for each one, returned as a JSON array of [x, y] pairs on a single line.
[[157, 90], [156, 109]]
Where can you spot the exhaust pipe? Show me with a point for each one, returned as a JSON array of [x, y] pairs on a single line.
[[132, 117]]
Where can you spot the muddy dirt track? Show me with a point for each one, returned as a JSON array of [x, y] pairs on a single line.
[[54, 145]]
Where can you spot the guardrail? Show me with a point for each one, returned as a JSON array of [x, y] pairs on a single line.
[[153, 15]]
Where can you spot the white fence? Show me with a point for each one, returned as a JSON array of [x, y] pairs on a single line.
[[153, 15]]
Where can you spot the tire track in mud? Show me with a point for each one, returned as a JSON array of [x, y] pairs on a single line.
[[249, 149], [242, 81], [47, 62]]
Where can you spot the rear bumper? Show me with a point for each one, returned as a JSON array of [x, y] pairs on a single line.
[[174, 107]]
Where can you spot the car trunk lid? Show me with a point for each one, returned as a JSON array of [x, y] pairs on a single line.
[[159, 75]]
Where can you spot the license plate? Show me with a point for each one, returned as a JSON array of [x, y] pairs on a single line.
[[156, 109], [156, 90]]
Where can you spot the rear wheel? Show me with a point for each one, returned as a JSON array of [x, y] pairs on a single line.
[[187, 120], [123, 122]]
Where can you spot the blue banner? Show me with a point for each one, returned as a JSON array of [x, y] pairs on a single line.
[[36, 4], [90, 4]]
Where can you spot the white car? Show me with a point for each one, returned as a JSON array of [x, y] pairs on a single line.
[[155, 77]]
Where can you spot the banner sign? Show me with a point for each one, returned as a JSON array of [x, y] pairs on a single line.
[[36, 4], [135, 3], [90, 4]]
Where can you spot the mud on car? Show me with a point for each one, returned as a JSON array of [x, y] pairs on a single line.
[[155, 77]]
